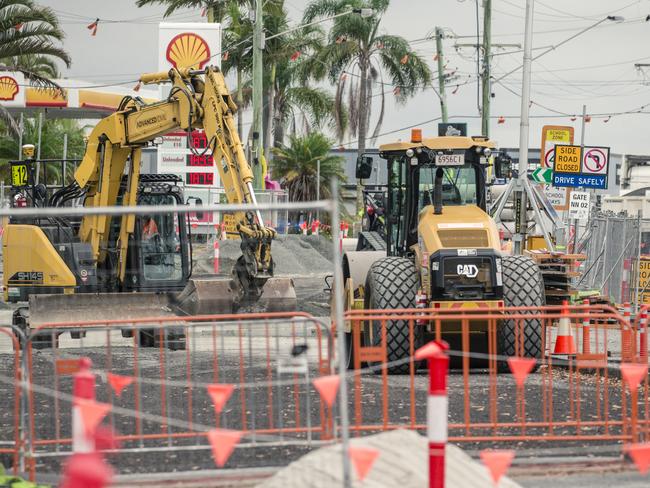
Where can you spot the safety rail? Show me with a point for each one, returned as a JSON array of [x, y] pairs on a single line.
[[269, 360], [552, 413]]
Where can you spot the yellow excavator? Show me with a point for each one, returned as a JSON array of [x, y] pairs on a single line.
[[440, 248], [101, 267]]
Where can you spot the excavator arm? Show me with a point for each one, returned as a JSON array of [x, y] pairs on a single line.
[[197, 99]]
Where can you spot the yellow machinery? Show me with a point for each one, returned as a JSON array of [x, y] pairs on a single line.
[[440, 245], [84, 269]]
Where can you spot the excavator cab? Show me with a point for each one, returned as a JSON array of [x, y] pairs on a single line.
[[159, 251]]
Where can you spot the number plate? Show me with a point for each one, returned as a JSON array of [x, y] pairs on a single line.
[[450, 159], [19, 175]]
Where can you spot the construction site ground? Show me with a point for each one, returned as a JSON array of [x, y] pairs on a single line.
[[313, 260]]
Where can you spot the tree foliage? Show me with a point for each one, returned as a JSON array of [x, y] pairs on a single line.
[[51, 144], [29, 37], [295, 165], [364, 63]]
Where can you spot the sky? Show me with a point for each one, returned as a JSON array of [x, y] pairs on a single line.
[[596, 69]]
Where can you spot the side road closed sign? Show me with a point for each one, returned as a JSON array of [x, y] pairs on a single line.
[[577, 166]]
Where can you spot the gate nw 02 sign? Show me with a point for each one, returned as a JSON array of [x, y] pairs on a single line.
[[579, 205]]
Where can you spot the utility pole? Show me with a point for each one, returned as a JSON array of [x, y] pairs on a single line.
[[521, 201], [441, 76], [487, 89], [258, 95]]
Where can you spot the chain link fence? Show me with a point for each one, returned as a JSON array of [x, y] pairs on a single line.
[[612, 244]]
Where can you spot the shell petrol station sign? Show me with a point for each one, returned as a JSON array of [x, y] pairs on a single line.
[[194, 46], [12, 89]]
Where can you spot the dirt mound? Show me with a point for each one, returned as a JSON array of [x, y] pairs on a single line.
[[293, 255]]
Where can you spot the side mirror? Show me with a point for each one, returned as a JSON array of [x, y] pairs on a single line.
[[196, 202], [502, 166], [364, 167]]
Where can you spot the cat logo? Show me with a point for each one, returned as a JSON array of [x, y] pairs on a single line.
[[188, 50], [469, 270]]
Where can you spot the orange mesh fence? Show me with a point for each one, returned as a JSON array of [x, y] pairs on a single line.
[[575, 394], [168, 365]]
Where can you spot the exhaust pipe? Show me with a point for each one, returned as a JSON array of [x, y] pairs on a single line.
[[437, 193]]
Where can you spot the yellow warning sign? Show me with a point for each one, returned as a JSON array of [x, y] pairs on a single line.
[[231, 226], [19, 175], [644, 281], [567, 159]]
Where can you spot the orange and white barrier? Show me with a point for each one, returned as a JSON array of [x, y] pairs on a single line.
[[437, 408], [215, 252], [83, 389]]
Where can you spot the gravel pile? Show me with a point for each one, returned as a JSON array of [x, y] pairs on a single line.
[[293, 256]]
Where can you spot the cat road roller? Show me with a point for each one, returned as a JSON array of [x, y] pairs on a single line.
[[439, 244]]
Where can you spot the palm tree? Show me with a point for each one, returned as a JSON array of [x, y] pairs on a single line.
[[215, 9], [296, 104], [295, 165], [28, 41], [357, 56]]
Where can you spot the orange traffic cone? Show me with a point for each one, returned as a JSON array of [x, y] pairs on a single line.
[[564, 344]]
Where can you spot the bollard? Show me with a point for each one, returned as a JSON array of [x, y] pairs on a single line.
[[643, 336], [83, 388], [437, 412], [586, 330], [216, 256], [626, 334]]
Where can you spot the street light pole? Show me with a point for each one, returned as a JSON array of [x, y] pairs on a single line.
[[521, 203], [487, 40], [258, 95]]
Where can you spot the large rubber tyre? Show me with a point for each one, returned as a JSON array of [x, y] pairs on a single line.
[[392, 283], [523, 286]]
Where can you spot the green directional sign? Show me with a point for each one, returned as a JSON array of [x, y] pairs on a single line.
[[542, 175]]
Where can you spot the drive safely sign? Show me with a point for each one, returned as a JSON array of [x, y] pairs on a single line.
[[580, 180]]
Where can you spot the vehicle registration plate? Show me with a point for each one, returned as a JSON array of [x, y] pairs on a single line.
[[450, 159]]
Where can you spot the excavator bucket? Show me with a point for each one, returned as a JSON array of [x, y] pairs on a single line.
[[200, 297], [209, 296], [85, 307]]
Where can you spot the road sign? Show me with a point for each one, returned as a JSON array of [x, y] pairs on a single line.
[[575, 180], [559, 197], [579, 205], [595, 160], [567, 159], [553, 135], [644, 280], [542, 175]]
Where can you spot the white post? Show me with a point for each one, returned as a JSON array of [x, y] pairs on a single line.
[[318, 187], [65, 156], [520, 195], [38, 148], [340, 337]]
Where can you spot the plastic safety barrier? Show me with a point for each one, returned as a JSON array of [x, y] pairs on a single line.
[[159, 375], [575, 393]]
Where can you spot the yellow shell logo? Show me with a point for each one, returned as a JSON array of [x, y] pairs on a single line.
[[8, 88], [188, 50]]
